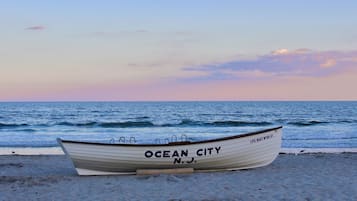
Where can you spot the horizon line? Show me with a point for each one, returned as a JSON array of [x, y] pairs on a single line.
[[91, 101]]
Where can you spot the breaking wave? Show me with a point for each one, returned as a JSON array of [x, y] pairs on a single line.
[[139, 122], [307, 123], [182, 123], [240, 123], [124, 124], [4, 125]]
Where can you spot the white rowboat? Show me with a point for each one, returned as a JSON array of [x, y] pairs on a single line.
[[244, 151]]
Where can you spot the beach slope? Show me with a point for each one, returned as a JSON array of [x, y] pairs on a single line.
[[290, 177]]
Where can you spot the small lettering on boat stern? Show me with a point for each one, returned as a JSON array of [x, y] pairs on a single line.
[[261, 139]]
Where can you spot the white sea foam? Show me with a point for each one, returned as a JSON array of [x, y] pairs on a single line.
[[317, 150], [31, 151]]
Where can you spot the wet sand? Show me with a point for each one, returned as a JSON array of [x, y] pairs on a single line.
[[290, 177]]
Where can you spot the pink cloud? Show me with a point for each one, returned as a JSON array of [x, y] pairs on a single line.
[[282, 62], [301, 74], [36, 28]]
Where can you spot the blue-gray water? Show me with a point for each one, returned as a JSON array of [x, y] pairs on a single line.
[[306, 124]]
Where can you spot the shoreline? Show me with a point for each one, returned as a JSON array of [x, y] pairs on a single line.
[[58, 150], [315, 176]]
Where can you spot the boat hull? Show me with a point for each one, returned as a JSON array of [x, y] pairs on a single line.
[[231, 153]]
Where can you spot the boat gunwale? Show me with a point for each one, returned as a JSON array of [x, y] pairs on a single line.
[[174, 144]]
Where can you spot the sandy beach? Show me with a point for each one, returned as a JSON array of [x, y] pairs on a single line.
[[290, 177]]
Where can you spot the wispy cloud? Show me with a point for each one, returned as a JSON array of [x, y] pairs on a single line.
[[282, 62], [36, 28], [118, 33]]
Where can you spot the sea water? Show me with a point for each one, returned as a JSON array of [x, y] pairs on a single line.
[[305, 124]]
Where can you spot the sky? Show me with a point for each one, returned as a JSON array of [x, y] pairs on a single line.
[[178, 50]]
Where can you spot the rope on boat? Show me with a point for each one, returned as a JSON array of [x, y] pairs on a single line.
[[184, 138], [112, 141], [123, 140], [132, 140], [157, 141], [174, 138], [166, 140]]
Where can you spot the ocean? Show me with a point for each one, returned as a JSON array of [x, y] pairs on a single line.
[[308, 124]]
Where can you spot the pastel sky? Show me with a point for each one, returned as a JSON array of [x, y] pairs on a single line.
[[178, 50]]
